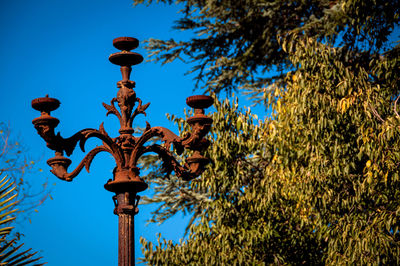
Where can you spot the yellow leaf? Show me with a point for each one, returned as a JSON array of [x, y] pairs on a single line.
[[278, 103], [369, 178], [271, 127]]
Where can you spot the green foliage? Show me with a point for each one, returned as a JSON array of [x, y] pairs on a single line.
[[10, 253], [315, 183], [236, 43]]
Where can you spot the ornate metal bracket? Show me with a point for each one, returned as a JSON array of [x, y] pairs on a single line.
[[126, 148]]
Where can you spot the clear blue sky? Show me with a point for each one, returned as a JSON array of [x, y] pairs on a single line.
[[61, 48]]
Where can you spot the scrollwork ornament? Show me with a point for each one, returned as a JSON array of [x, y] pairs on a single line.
[[126, 149]]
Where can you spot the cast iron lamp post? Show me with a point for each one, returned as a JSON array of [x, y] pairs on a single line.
[[126, 148]]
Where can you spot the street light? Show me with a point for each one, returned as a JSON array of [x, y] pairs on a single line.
[[126, 149]]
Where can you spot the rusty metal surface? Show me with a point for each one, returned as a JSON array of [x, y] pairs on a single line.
[[126, 149], [126, 208]]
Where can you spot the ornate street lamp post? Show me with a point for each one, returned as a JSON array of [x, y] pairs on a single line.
[[126, 148]]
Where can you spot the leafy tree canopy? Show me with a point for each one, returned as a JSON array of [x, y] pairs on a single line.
[[317, 182], [237, 43]]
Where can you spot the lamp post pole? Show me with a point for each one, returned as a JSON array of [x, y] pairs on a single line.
[[126, 149]]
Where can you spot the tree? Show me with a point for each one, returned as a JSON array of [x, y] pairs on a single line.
[[15, 163], [317, 182], [236, 43], [15, 191]]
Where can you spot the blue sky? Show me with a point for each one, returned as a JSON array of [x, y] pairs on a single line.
[[61, 48]]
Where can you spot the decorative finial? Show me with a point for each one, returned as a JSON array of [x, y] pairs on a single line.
[[125, 58]]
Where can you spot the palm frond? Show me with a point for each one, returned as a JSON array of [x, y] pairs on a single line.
[[10, 253]]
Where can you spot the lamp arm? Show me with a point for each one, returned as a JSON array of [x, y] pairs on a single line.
[[59, 164], [170, 163], [69, 144], [166, 135]]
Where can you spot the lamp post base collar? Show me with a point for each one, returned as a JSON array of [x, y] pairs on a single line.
[[125, 181]]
